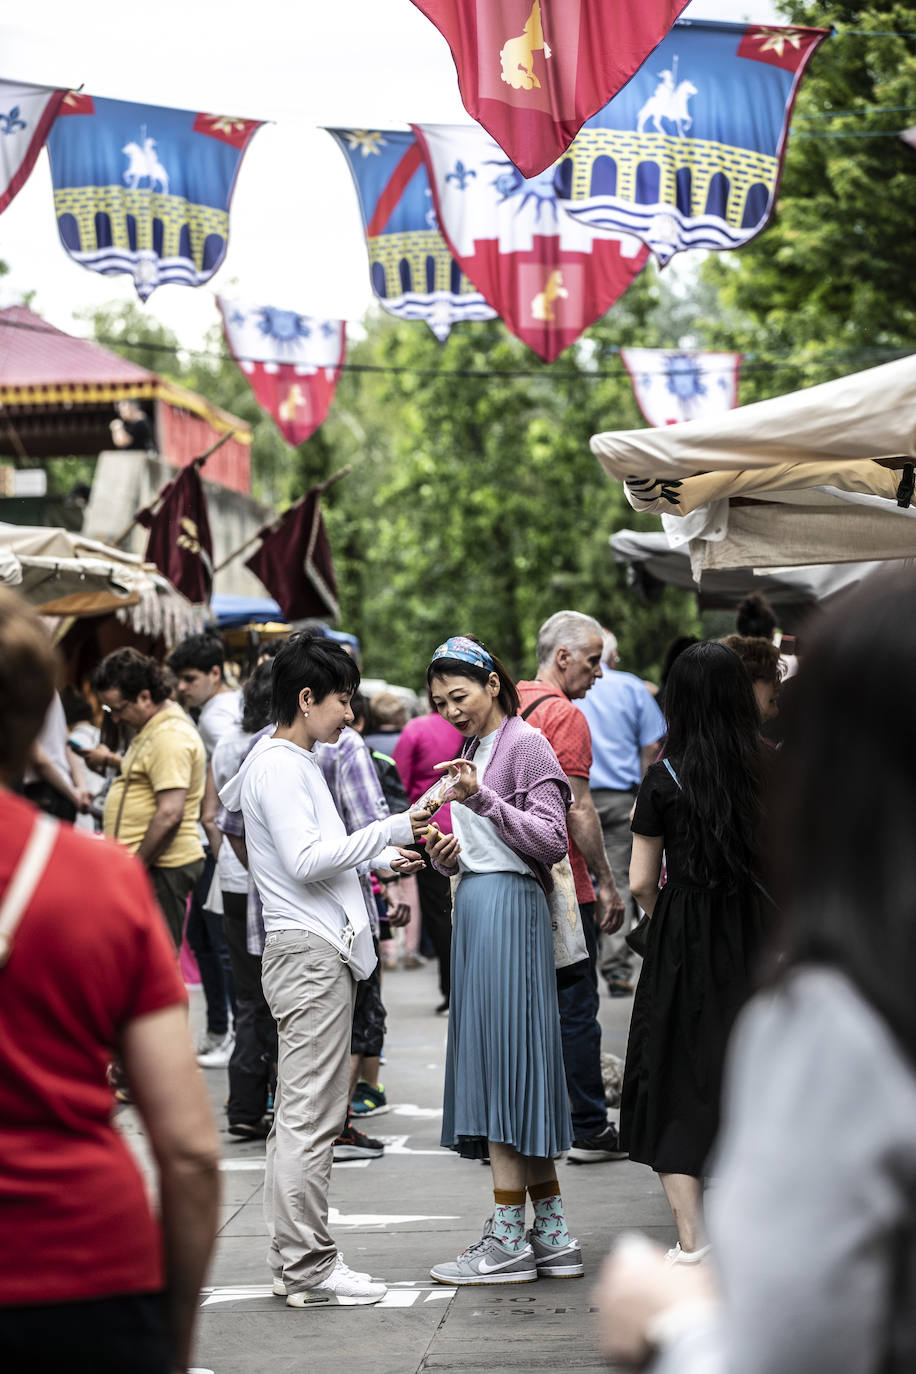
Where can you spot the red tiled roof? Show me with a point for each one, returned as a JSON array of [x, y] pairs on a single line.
[[34, 353]]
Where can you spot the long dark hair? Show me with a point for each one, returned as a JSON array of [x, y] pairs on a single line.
[[844, 811], [714, 744]]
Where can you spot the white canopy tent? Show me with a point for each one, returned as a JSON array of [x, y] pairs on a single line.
[[753, 488], [63, 574]]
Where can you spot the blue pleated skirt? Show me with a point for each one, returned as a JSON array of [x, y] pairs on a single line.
[[504, 1076]]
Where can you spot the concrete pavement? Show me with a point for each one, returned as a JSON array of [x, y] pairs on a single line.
[[395, 1217]]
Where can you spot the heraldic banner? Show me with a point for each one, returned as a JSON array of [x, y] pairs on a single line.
[[690, 153], [26, 115], [547, 276], [292, 362], [180, 543], [533, 71], [672, 385], [294, 562], [145, 190], [413, 274]]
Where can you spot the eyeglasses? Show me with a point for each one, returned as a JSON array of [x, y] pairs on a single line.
[[116, 709]]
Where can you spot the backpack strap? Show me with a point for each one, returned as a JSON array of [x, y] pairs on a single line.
[[529, 710], [26, 876]]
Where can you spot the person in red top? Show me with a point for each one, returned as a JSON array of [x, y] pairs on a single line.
[[89, 1279], [569, 661], [424, 742]]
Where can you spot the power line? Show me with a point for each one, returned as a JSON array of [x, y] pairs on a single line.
[[750, 361]]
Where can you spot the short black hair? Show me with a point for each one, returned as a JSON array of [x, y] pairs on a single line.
[[201, 652], [130, 672], [305, 660]]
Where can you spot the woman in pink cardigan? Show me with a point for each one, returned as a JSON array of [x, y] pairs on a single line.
[[505, 1088]]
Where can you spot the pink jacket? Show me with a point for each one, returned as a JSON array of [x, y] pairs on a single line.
[[526, 796]]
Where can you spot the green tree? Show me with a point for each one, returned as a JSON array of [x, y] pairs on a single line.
[[830, 286], [475, 503]]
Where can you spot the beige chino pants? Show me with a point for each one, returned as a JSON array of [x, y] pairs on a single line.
[[310, 992]]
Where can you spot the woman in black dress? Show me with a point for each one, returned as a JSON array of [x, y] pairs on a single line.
[[698, 811]]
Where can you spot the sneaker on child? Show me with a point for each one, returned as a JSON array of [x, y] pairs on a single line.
[[353, 1144], [369, 1101]]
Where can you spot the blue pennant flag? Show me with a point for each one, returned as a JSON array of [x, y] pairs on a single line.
[[413, 273], [689, 153], [145, 190]]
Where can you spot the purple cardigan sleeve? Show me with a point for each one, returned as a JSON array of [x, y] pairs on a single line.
[[538, 832]]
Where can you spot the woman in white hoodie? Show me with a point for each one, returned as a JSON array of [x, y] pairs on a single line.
[[318, 945]]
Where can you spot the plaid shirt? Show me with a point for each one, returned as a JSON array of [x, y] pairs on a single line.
[[350, 774]]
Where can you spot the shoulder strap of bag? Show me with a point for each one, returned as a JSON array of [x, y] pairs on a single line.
[[26, 876], [750, 873], [529, 710]]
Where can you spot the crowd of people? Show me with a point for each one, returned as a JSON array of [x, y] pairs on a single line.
[[298, 839]]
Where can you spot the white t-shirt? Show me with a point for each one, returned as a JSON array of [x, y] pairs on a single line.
[[53, 740], [482, 850], [219, 715]]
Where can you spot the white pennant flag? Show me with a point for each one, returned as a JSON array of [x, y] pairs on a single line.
[[26, 116], [672, 384]]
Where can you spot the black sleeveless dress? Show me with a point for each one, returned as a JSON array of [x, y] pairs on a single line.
[[702, 959]]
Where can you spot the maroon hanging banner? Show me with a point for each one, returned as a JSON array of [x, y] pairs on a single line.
[[179, 542], [533, 71], [294, 562]]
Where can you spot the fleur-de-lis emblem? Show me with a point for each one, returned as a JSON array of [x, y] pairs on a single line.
[[11, 122], [461, 175]]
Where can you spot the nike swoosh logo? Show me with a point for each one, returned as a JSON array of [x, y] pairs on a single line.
[[486, 1267]]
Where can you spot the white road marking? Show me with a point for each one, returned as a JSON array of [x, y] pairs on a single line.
[[398, 1295], [409, 1109], [336, 1218]]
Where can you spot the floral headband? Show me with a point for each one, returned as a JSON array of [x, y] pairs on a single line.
[[465, 651]]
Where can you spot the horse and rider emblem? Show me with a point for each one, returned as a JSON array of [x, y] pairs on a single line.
[[668, 103], [144, 165]]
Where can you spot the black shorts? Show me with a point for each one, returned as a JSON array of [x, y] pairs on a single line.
[[368, 1035]]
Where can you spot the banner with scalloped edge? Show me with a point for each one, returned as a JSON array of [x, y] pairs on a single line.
[[145, 190], [26, 115]]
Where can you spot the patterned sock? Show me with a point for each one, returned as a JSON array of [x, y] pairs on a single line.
[[509, 1217], [549, 1219]]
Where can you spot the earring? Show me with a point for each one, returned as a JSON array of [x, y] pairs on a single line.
[[305, 713]]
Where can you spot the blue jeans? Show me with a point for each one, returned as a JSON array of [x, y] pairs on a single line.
[[581, 1035]]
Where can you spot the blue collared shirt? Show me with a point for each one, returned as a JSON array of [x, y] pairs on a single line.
[[623, 718]]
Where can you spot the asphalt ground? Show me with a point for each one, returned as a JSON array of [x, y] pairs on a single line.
[[395, 1217]]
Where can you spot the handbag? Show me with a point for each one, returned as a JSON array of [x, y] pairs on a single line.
[[569, 945]]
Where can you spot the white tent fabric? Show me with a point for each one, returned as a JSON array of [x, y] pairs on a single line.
[[63, 574], [870, 415], [726, 587]]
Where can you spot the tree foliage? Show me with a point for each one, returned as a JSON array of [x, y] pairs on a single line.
[[830, 287]]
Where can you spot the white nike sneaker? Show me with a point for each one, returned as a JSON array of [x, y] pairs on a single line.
[[279, 1286], [487, 1261], [341, 1288]]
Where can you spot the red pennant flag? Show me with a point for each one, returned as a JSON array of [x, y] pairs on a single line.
[[180, 543], [292, 361], [294, 562], [547, 276], [533, 71]]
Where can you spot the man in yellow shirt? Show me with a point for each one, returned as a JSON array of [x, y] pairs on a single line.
[[153, 805]]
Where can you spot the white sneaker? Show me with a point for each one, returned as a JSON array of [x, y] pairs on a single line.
[[218, 1057], [279, 1287], [342, 1288], [679, 1256]]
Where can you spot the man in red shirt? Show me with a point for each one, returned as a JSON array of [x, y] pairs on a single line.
[[569, 661]]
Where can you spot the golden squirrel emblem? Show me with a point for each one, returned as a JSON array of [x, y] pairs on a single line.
[[517, 54]]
